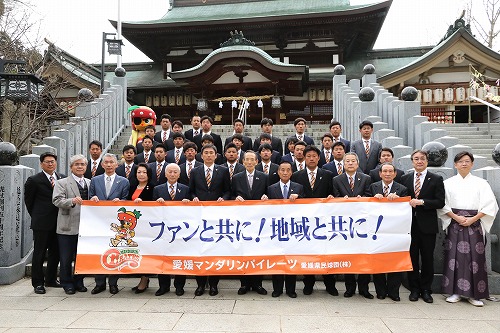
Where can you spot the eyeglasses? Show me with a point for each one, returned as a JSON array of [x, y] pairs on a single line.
[[50, 162]]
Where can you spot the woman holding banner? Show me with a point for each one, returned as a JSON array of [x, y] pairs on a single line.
[[141, 190], [469, 212]]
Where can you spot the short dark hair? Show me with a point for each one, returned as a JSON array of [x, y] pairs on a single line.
[[286, 162], [207, 137], [230, 145], [387, 149], [420, 151], [265, 136], [177, 122], [265, 146], [128, 147], [339, 143], [176, 135], [327, 135], [333, 123], [147, 137], [148, 170], [311, 148], [166, 116], [266, 121], [207, 117], [49, 154], [95, 142], [237, 136], [208, 146], [150, 127], [188, 145], [459, 156], [251, 152], [298, 120], [300, 143], [238, 120], [292, 139], [365, 123], [161, 146]]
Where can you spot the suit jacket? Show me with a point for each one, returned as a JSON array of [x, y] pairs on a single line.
[[322, 158], [184, 179], [375, 175], [158, 137], [220, 185], [275, 157], [170, 158], [162, 191], [247, 142], [68, 217], [120, 171], [119, 189], [378, 188], [169, 144], [163, 178], [288, 157], [140, 158], [362, 184], [38, 200], [217, 142], [347, 144], [189, 134], [322, 186], [88, 172], [146, 194], [272, 174], [240, 186], [432, 192], [366, 163], [275, 143], [307, 139], [274, 191], [332, 167]]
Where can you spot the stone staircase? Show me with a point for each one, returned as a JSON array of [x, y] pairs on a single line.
[[475, 136]]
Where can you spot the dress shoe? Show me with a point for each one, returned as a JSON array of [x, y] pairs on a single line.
[[366, 294], [242, 291], [260, 290], [292, 294], [98, 289], [53, 284], [395, 298], [81, 289], [179, 291], [69, 291], [140, 291], [307, 290], [39, 290], [333, 291], [348, 294], [162, 291], [276, 293], [380, 296], [426, 296], [213, 291], [475, 302], [114, 290], [199, 291], [413, 296]]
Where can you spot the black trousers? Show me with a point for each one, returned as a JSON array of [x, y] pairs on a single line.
[[350, 282], [213, 280], [44, 244], [289, 281], [328, 279], [388, 285], [164, 281], [421, 250], [100, 280], [251, 281], [67, 252]]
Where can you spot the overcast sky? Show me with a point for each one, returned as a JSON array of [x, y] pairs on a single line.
[[77, 26]]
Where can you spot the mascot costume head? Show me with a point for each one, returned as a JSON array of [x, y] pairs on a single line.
[[141, 117]]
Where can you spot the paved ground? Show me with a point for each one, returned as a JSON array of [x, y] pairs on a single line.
[[23, 311]]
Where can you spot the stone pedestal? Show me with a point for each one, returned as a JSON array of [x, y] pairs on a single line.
[[382, 134], [60, 146], [392, 141]]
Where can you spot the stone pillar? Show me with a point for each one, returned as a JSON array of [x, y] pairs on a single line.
[[434, 134], [68, 137], [60, 146], [412, 123], [392, 141], [31, 161], [382, 134]]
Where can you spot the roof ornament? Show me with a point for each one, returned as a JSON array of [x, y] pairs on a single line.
[[237, 38], [459, 23]]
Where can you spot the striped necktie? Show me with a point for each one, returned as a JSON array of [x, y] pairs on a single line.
[[351, 183], [94, 168], [158, 171], [172, 192], [52, 181], [208, 177], [417, 185], [266, 169], [339, 168], [301, 167], [177, 156], [190, 167], [327, 156], [367, 147], [386, 190], [146, 157], [313, 179], [127, 171], [164, 136], [231, 171]]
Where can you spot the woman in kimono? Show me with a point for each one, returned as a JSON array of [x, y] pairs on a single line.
[[469, 212]]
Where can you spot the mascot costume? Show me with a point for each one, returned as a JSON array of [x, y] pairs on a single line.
[[141, 117]]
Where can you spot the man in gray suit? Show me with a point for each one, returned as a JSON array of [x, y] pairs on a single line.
[[367, 149], [108, 186], [68, 196]]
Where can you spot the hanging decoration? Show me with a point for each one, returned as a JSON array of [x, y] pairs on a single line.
[[479, 82]]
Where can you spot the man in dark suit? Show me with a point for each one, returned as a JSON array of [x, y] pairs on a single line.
[[266, 166], [427, 192], [239, 128], [94, 167], [388, 188], [166, 131], [367, 149], [172, 190], [291, 146], [189, 150], [336, 165], [250, 185], [326, 152], [209, 182], [159, 166], [275, 155], [176, 155], [38, 191], [386, 156], [299, 160], [127, 169], [300, 128], [353, 183], [206, 126], [108, 186], [266, 126], [285, 189], [237, 140], [335, 130], [317, 183], [196, 130], [148, 153], [150, 131], [231, 157]]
